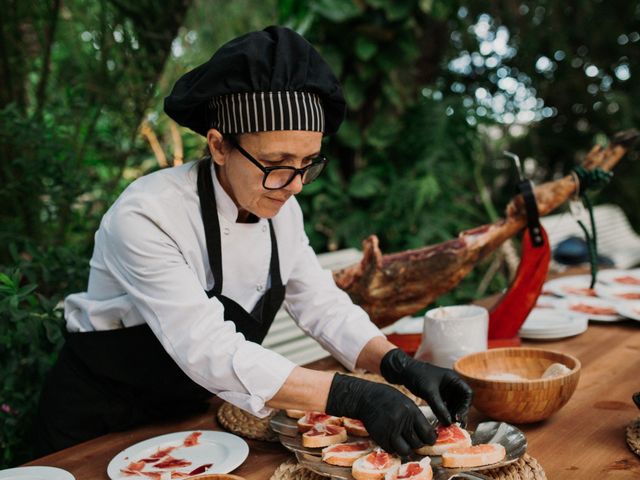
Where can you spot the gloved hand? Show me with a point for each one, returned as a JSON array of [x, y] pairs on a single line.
[[393, 421], [446, 393]]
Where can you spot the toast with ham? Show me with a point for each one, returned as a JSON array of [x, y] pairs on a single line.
[[310, 419], [292, 413], [412, 471], [448, 437], [354, 427], [375, 465], [344, 454], [323, 435], [475, 456]]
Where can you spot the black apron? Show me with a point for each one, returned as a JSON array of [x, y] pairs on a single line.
[[112, 380]]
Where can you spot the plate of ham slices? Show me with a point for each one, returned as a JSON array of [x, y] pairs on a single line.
[[597, 309], [339, 448], [179, 455], [629, 277]]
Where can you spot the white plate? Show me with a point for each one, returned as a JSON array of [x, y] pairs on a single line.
[[224, 451], [630, 310], [35, 473], [568, 286], [614, 277], [551, 336], [618, 292], [546, 323], [546, 319], [570, 303]]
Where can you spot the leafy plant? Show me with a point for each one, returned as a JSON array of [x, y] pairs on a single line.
[[406, 164], [31, 329]]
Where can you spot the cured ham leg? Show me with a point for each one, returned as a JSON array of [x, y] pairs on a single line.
[[391, 286]]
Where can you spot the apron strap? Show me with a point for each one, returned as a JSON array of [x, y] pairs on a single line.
[[274, 266], [209, 212]]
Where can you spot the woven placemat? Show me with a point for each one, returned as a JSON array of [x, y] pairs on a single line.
[[244, 424], [526, 468], [292, 470], [633, 436]]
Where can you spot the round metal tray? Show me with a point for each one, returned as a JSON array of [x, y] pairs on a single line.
[[510, 437]]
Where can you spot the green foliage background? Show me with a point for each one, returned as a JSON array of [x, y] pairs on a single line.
[[436, 89]]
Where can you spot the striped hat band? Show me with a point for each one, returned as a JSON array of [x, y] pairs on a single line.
[[266, 111]]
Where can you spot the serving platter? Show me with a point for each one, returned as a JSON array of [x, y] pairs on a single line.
[[315, 464], [510, 437]]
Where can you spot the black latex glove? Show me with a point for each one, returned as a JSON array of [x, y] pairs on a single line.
[[393, 421], [446, 393]]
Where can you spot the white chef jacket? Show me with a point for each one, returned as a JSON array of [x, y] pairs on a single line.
[[150, 265]]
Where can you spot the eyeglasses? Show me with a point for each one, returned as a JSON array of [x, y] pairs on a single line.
[[279, 177]]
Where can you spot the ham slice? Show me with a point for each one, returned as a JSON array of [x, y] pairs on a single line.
[[627, 280], [412, 471], [448, 437], [592, 309], [323, 435], [314, 418], [375, 465], [345, 454], [354, 427]]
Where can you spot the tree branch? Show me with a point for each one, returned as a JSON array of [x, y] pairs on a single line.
[[46, 62]]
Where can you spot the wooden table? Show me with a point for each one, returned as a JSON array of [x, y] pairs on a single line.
[[584, 440]]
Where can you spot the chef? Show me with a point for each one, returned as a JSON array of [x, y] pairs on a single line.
[[192, 263]]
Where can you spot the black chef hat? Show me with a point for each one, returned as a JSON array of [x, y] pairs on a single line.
[[261, 81]]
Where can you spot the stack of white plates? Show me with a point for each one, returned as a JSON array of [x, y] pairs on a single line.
[[548, 324]]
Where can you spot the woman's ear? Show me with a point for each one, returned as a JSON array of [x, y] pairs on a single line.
[[216, 144]]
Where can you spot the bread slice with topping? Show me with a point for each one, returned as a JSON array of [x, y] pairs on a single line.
[[354, 427], [293, 413], [474, 456], [375, 465], [323, 435], [412, 471], [344, 454], [448, 437], [310, 419]]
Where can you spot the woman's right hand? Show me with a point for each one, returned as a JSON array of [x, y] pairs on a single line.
[[393, 421]]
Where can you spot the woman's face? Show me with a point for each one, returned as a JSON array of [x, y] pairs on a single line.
[[242, 180]]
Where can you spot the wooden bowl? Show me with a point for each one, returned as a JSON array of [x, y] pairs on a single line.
[[518, 401]]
